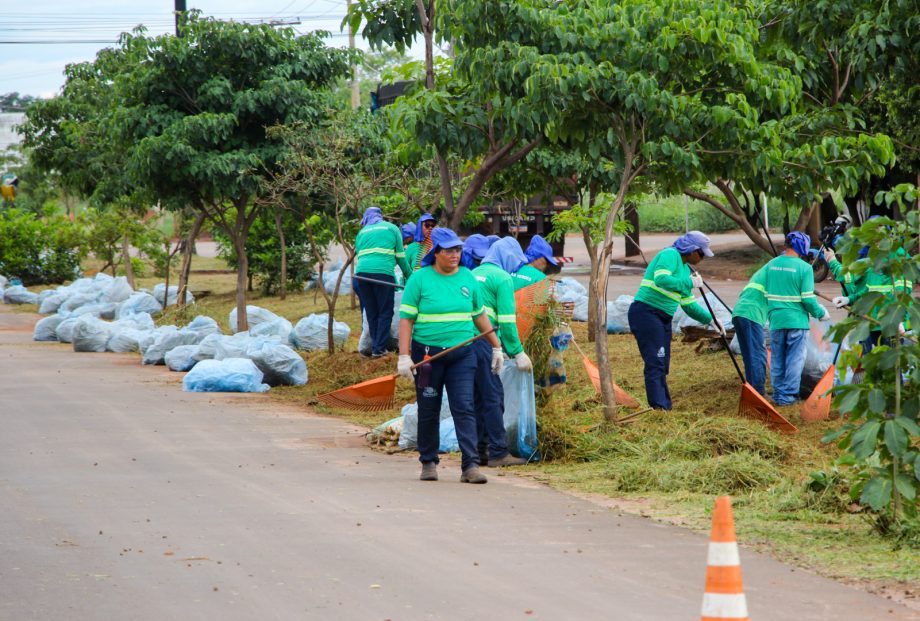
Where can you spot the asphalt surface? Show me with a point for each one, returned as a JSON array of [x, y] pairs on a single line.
[[123, 497]]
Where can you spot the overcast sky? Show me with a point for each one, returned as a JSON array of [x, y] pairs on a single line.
[[39, 38]]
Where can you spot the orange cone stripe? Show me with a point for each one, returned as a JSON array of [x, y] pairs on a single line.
[[723, 579], [723, 599]]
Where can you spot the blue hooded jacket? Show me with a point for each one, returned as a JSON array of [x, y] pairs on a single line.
[[440, 238], [800, 242], [372, 215], [474, 249], [507, 254], [419, 234]]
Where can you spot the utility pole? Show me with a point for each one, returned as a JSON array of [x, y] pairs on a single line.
[[180, 9], [355, 88]]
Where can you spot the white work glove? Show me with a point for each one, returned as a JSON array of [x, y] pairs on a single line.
[[826, 316], [720, 328], [498, 360], [902, 330], [840, 301], [697, 280], [829, 255], [404, 367], [522, 360]]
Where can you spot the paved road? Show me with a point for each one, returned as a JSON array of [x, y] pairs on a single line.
[[123, 497]]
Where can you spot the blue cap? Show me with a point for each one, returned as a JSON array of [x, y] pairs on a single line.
[[373, 215], [692, 241], [408, 230], [478, 245], [441, 238], [800, 242], [539, 247], [419, 233]]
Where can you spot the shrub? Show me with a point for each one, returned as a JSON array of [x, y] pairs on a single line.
[[39, 250]]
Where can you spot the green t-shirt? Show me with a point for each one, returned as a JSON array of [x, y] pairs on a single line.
[[496, 288], [879, 282], [379, 249], [526, 276], [853, 285], [790, 292], [667, 285], [751, 303], [442, 306]]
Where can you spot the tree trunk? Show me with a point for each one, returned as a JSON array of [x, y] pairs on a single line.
[[187, 253], [169, 257], [280, 231], [242, 274], [126, 257], [592, 256], [804, 218], [331, 301], [735, 212]]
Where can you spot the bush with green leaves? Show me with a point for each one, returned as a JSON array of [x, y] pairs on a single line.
[[880, 438], [39, 250]]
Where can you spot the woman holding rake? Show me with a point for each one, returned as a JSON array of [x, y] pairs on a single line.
[[441, 308]]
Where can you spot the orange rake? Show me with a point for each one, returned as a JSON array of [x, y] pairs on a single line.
[[752, 402], [379, 394], [818, 404], [623, 398]]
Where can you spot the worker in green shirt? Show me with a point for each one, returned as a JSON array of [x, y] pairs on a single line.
[[379, 249], [748, 318], [408, 233], [475, 248], [667, 285], [441, 307], [540, 260], [790, 293], [497, 292], [422, 244]]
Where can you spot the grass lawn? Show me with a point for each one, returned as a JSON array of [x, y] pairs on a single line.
[[667, 466]]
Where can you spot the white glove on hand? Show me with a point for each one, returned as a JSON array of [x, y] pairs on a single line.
[[498, 360], [902, 330], [404, 367], [826, 316], [522, 360], [720, 328], [697, 280], [840, 301], [829, 255]]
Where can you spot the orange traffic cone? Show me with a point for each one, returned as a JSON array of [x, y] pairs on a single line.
[[724, 596]]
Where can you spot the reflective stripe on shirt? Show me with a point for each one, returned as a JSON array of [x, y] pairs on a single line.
[[784, 298], [386, 251], [651, 285]]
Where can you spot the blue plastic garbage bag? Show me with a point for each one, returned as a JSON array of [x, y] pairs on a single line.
[[202, 326], [124, 340], [139, 302], [449, 443], [520, 412], [228, 375], [181, 358], [17, 294], [280, 365], [52, 303], [310, 332], [91, 334], [118, 290], [278, 326], [159, 290], [254, 316], [168, 338], [46, 329], [408, 437], [65, 329], [618, 315]]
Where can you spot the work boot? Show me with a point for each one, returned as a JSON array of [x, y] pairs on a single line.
[[429, 472], [473, 475], [483, 457], [507, 460]]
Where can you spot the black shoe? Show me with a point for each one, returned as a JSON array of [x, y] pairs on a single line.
[[429, 472], [473, 475]]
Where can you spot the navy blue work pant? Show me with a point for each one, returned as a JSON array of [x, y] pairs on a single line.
[[652, 329], [377, 304], [455, 372], [753, 352], [489, 403]]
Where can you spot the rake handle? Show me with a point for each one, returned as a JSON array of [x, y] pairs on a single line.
[[728, 348], [441, 354], [378, 282]]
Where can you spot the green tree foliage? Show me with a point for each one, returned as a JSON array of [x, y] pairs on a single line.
[[881, 435], [39, 250], [197, 109], [104, 236]]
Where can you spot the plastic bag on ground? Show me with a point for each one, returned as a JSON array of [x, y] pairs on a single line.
[[169, 338], [279, 327], [118, 290], [91, 334], [618, 315], [105, 310], [310, 332], [78, 299], [408, 437], [254, 316], [52, 303], [139, 302], [173, 294], [520, 411], [819, 352], [202, 326], [229, 375], [723, 315], [17, 294], [208, 346], [124, 340], [181, 358], [280, 365], [65, 329], [448, 436], [330, 277], [46, 329], [364, 341]]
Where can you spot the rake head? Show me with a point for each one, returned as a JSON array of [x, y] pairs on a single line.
[[623, 398], [818, 405], [754, 405], [370, 396]]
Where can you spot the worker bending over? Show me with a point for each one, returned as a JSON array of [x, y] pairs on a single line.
[[540, 260], [749, 317]]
